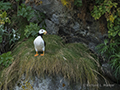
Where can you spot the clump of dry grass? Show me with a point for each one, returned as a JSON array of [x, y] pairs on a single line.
[[72, 60]]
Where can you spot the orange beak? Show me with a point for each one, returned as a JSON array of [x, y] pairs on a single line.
[[45, 32]]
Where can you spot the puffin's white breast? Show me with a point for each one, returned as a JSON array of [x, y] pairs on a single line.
[[38, 43]]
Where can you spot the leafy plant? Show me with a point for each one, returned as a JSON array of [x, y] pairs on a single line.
[[7, 38], [110, 10], [6, 59], [108, 48], [103, 8], [114, 28], [3, 17], [78, 3], [68, 3], [99, 1], [31, 29], [5, 5], [25, 11], [14, 36], [64, 2], [102, 48], [115, 64]]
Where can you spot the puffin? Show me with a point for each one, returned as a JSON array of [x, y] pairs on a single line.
[[39, 43]]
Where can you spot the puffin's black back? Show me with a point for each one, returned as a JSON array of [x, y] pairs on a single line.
[[44, 43]]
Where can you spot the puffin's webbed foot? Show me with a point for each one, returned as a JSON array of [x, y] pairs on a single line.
[[36, 54], [42, 54]]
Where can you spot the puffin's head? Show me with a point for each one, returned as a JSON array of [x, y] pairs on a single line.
[[42, 31]]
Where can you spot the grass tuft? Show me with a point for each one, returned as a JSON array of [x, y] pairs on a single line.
[[73, 61]]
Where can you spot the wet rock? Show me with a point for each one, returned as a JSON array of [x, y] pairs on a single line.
[[76, 27], [108, 72], [49, 7], [55, 19], [47, 83], [51, 27], [92, 46]]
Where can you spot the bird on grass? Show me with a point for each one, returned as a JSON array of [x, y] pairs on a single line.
[[39, 43]]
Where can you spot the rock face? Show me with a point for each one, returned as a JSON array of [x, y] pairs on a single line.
[[47, 83], [59, 83], [64, 22]]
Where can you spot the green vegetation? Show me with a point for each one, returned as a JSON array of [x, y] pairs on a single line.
[[109, 9], [78, 3], [12, 22], [5, 5], [115, 64], [9, 32], [25, 11], [31, 30], [73, 61], [104, 7], [13, 37], [3, 18], [6, 59], [13, 26], [10, 37], [107, 49]]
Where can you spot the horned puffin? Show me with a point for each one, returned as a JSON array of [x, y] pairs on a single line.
[[39, 43]]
